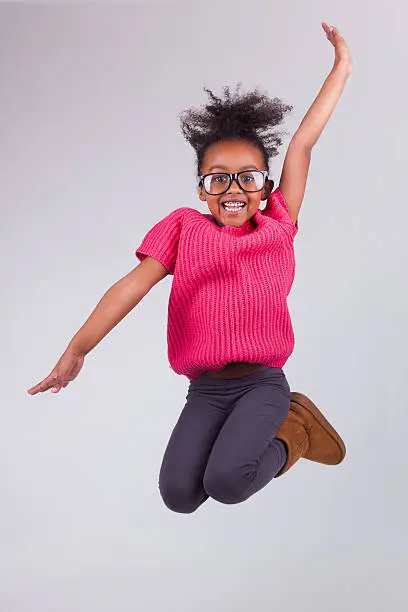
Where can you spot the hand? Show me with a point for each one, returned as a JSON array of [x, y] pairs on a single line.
[[342, 54], [67, 368]]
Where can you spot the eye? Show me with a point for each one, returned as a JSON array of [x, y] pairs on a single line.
[[219, 178], [247, 178]]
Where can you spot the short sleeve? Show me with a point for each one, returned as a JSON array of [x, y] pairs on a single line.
[[161, 241], [277, 209]]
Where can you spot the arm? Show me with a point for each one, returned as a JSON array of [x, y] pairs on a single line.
[[297, 160], [116, 303]]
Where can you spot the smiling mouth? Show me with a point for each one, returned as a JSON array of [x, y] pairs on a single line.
[[233, 208]]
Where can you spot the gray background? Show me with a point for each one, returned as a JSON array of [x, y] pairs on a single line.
[[91, 158]]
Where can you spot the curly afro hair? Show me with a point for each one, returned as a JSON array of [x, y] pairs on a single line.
[[247, 116]]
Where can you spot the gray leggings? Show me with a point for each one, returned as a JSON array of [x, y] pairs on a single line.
[[223, 445]]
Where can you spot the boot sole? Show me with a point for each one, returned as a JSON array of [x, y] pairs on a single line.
[[307, 404]]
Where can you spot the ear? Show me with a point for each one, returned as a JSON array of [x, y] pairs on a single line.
[[267, 190], [201, 193]]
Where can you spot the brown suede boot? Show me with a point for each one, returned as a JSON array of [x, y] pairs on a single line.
[[306, 433]]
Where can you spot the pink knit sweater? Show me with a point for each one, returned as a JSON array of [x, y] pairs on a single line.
[[228, 296]]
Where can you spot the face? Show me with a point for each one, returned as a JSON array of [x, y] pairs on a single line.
[[233, 156]]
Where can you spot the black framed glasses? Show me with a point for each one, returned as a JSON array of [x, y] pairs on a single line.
[[216, 183]]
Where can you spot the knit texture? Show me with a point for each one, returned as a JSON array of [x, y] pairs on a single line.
[[228, 300]]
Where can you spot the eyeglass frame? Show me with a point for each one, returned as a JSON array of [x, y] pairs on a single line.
[[234, 177]]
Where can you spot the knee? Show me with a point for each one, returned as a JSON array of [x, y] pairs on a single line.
[[225, 486], [178, 498]]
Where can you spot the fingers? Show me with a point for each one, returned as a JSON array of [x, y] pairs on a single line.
[[51, 382], [331, 31], [42, 386]]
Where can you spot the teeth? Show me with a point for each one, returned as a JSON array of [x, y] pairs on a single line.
[[233, 205]]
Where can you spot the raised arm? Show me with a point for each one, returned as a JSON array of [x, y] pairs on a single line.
[[297, 160]]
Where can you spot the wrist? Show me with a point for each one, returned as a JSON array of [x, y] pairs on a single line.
[[75, 348], [342, 68]]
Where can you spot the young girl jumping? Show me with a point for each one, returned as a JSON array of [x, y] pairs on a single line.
[[229, 330]]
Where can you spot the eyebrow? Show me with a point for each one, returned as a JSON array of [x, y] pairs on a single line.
[[226, 169]]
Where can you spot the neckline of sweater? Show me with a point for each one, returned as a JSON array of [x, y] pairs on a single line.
[[248, 227]]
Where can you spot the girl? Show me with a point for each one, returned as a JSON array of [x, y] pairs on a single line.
[[229, 330]]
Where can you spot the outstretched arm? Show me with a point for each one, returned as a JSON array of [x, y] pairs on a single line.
[[115, 304], [297, 160]]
